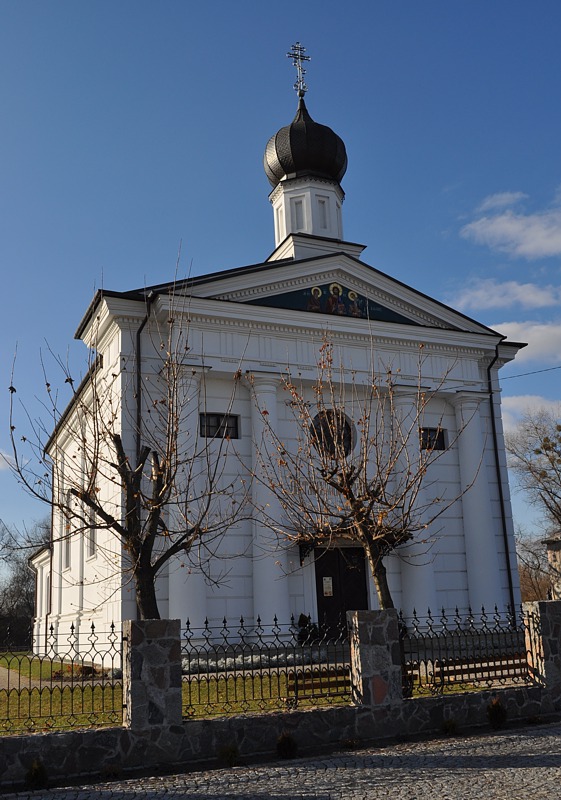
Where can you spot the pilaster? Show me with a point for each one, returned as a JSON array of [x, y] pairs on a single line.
[[484, 580], [270, 562], [418, 590]]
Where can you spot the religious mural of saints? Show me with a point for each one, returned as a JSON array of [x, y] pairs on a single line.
[[336, 302], [314, 303], [354, 308], [334, 299]]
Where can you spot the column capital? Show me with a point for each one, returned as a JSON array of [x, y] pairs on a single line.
[[466, 399], [193, 371], [263, 381]]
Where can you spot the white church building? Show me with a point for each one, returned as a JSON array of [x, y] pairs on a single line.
[[259, 321]]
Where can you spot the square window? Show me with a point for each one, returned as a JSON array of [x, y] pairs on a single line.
[[433, 439], [219, 425]]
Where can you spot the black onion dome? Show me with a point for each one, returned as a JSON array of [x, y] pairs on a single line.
[[305, 148]]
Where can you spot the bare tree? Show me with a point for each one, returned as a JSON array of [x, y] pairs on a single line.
[[126, 457], [535, 458], [536, 574], [17, 582], [358, 469]]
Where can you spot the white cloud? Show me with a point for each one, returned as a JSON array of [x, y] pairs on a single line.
[[501, 200], [543, 339], [489, 293], [5, 460], [521, 235], [515, 407]]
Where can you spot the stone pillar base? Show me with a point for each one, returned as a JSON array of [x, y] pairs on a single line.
[[376, 671], [151, 673]]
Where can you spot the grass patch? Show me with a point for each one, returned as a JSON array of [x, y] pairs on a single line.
[[29, 665], [26, 668], [60, 708], [237, 694]]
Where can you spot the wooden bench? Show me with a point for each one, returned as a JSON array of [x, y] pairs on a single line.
[[316, 682], [472, 670]]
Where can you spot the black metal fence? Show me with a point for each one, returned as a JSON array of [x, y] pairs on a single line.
[[75, 680], [457, 653], [16, 633], [234, 669], [65, 681]]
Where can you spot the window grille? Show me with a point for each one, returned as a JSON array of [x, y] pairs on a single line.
[[219, 425], [331, 433], [433, 439]]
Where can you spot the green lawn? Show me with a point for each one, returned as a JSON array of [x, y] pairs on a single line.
[[63, 699], [59, 708], [229, 694], [28, 665]]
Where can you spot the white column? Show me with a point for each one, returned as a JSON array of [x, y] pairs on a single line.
[[270, 561], [483, 574], [418, 590], [187, 593], [187, 587]]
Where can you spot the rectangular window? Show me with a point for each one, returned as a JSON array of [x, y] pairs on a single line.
[[90, 519], [280, 223], [67, 531], [433, 439], [91, 535], [322, 209], [221, 425], [298, 215], [67, 545]]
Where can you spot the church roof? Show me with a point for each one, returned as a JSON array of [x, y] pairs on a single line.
[[305, 148], [267, 284]]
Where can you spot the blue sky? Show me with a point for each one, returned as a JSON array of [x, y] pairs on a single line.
[[130, 127]]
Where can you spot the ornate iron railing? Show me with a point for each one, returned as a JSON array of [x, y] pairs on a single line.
[[457, 653], [244, 668], [67, 681]]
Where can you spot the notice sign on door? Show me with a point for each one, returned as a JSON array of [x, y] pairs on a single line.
[[328, 587]]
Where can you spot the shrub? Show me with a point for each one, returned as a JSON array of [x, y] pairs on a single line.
[[496, 713], [36, 777], [449, 727], [286, 746], [229, 755]]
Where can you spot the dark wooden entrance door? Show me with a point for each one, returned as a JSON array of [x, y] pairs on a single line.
[[340, 583]]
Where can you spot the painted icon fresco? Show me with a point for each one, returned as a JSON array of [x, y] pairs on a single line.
[[333, 299]]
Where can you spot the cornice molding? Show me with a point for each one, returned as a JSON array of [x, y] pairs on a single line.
[[304, 181], [302, 282], [338, 337]]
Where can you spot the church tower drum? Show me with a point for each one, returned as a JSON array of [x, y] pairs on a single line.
[[305, 163]]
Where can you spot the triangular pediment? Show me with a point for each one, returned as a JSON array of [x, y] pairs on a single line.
[[334, 285], [334, 299]]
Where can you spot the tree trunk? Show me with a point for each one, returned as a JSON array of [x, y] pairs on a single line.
[[382, 589], [380, 577], [146, 602]]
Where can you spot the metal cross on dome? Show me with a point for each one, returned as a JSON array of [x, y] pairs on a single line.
[[297, 54]]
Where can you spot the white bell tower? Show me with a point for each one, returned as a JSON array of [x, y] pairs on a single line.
[[307, 205], [305, 162]]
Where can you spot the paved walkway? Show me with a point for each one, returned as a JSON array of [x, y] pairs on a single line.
[[516, 765]]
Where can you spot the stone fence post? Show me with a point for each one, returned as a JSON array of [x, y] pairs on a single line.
[[151, 673], [376, 673], [544, 627]]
